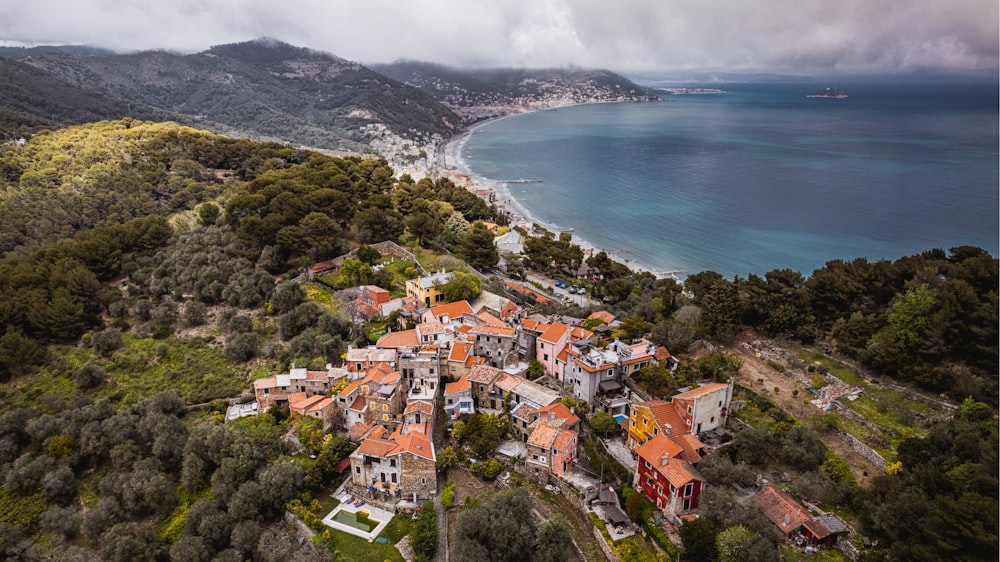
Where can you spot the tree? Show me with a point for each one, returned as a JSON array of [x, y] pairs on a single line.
[[632, 328], [553, 538], [698, 537], [448, 457], [287, 296], [425, 533], [500, 530], [733, 544], [603, 423], [478, 248], [462, 286], [194, 313], [208, 213]]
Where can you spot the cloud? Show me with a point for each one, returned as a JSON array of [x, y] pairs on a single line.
[[627, 35]]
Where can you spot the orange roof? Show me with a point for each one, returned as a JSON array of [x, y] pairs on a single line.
[[780, 508], [661, 354], [268, 382], [461, 385], [360, 429], [416, 444], [452, 310], [405, 338], [662, 454], [464, 329], [543, 435], [490, 319], [559, 411], [474, 360], [534, 325], [376, 447], [563, 355], [526, 291], [554, 333], [459, 351], [578, 333], [666, 416], [690, 445], [419, 405], [679, 472], [603, 315], [304, 403], [654, 449], [350, 388], [484, 374], [508, 382], [498, 330], [359, 404], [701, 391], [563, 439], [320, 405], [431, 328]]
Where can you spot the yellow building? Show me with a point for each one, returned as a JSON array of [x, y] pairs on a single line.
[[652, 418], [428, 290]]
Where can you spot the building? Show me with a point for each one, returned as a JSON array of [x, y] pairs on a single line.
[[428, 290], [796, 522], [553, 341], [458, 398], [402, 465], [421, 371], [527, 338], [447, 314], [666, 478], [481, 379], [696, 411], [461, 360], [276, 390], [360, 360], [370, 300], [550, 451], [495, 344], [379, 397]]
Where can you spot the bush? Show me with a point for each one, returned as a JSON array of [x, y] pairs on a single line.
[[448, 496], [491, 469], [106, 341], [195, 313], [89, 376], [425, 533]]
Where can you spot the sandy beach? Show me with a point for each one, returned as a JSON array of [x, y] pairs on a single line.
[[456, 168]]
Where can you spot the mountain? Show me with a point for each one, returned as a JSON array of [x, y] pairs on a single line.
[[263, 88], [32, 99], [476, 94]]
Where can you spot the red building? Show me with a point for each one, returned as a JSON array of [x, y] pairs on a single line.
[[665, 477]]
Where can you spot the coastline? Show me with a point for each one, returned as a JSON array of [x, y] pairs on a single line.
[[451, 164]]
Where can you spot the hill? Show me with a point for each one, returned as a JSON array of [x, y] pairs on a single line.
[[476, 94], [33, 99], [261, 88]]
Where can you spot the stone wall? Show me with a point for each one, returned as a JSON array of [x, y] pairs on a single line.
[[418, 475], [864, 450]]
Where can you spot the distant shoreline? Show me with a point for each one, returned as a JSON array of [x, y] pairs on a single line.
[[455, 165]]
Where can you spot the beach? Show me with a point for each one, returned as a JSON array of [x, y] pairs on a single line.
[[452, 165]]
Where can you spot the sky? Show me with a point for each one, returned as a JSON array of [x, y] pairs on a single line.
[[644, 36]]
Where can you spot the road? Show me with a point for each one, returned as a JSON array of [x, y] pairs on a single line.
[[579, 300]]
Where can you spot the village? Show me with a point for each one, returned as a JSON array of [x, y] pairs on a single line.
[[444, 367]]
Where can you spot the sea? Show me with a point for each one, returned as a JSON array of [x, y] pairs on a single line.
[[760, 176]]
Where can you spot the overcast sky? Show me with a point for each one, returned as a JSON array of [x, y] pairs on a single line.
[[789, 36]]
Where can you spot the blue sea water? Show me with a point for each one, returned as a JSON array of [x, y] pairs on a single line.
[[760, 177]]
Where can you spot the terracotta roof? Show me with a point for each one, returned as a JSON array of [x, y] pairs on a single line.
[[464, 329], [474, 360], [305, 403], [497, 330], [508, 382], [701, 391], [653, 450], [554, 333], [661, 354], [431, 328], [415, 444], [376, 447], [690, 445], [419, 405], [543, 436], [524, 411], [459, 351], [461, 385], [666, 416], [320, 405], [563, 355], [534, 325], [578, 333], [526, 292], [405, 338], [559, 411], [484, 374], [359, 404], [269, 382], [679, 472], [817, 528], [452, 310], [358, 430], [490, 319], [563, 439], [604, 315], [350, 388], [786, 513]]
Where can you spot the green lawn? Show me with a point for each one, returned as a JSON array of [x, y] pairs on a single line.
[[357, 548], [796, 555]]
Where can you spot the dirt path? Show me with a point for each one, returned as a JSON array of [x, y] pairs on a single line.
[[762, 378]]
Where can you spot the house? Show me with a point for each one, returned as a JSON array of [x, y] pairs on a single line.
[[553, 341], [447, 314], [695, 411], [428, 290], [316, 406], [794, 521], [706, 407], [666, 478], [481, 379], [370, 300], [435, 333], [404, 339], [378, 397], [497, 305], [421, 371], [603, 316], [418, 412], [458, 398], [527, 337], [360, 360], [550, 451], [276, 390], [402, 465], [461, 360], [496, 344]]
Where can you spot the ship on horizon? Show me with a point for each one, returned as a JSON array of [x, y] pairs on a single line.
[[832, 93]]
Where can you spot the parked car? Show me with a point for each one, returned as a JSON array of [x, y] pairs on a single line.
[[562, 284]]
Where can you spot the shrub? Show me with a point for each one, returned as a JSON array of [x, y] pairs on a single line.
[[106, 341], [425, 533], [448, 496]]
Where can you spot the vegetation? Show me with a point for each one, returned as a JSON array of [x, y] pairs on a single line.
[[425, 534]]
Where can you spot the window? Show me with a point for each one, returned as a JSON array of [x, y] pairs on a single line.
[[392, 462], [545, 357], [385, 417], [385, 407], [423, 480], [648, 481], [713, 419], [645, 463], [541, 458], [633, 423], [656, 431], [688, 488], [672, 489], [357, 470], [393, 476], [689, 409], [659, 490]]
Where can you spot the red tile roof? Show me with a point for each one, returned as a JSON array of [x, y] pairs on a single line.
[[786, 513], [690, 445], [452, 310], [484, 374], [491, 320], [554, 332], [459, 351], [461, 385], [563, 439], [405, 338], [604, 315], [496, 330], [701, 391]]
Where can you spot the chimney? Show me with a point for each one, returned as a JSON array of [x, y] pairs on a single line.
[[787, 520], [664, 459]]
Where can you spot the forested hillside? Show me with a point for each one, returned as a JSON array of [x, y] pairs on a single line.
[[264, 87], [33, 99]]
